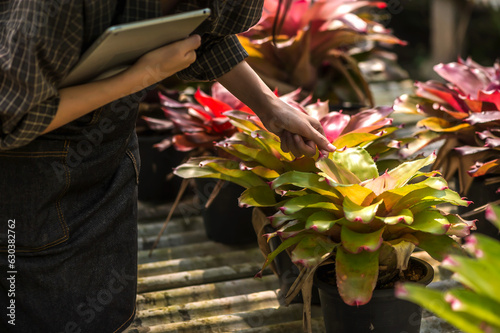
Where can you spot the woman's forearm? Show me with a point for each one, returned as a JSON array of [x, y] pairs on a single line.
[[246, 85], [153, 67], [77, 101], [299, 133]]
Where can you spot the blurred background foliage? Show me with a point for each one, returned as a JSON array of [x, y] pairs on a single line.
[[412, 22]]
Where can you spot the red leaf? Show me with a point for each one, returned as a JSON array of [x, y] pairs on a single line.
[[217, 107], [490, 96]]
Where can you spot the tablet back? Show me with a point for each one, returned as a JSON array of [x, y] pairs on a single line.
[[121, 45]]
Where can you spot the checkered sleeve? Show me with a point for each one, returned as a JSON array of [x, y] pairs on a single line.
[[220, 50], [28, 73]]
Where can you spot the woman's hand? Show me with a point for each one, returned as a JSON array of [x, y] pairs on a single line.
[[299, 132], [167, 60]]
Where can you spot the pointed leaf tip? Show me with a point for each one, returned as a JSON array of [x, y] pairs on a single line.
[[454, 302], [449, 261], [400, 290]]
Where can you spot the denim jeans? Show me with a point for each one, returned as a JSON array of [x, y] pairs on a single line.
[[68, 220]]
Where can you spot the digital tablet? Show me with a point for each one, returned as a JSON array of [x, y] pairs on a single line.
[[121, 45]]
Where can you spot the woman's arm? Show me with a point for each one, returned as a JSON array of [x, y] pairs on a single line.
[[299, 133], [153, 67]]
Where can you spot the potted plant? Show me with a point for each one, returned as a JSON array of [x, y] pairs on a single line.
[[368, 126], [474, 307], [339, 209], [463, 113], [318, 46], [199, 123], [156, 181]]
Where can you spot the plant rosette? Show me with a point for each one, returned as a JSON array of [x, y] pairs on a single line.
[[253, 152], [464, 112], [474, 307], [339, 208], [197, 118]]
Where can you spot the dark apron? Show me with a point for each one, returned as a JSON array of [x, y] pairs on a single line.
[[71, 196]]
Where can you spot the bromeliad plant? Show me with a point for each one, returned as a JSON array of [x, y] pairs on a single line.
[[339, 208], [474, 308], [198, 118], [464, 112], [317, 48], [255, 155]]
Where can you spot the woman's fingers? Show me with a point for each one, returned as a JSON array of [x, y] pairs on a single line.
[[316, 134], [169, 59], [296, 144]]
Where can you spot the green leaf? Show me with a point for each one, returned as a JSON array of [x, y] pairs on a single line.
[[350, 140], [312, 250], [355, 242], [484, 248], [278, 219], [356, 275], [307, 180], [391, 197], [261, 171], [480, 306], [232, 170], [357, 213], [358, 161], [258, 196], [431, 221], [358, 194], [433, 301], [493, 215], [241, 120], [404, 216], [425, 198], [258, 155], [321, 221], [477, 275], [271, 143], [282, 247], [438, 246], [406, 171], [304, 164], [192, 169], [336, 173], [310, 201], [399, 176]]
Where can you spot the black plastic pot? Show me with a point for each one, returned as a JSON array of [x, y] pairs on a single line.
[[287, 272], [156, 165], [481, 194], [225, 222], [383, 314]]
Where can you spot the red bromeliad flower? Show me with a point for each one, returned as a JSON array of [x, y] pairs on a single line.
[[464, 112], [199, 122]]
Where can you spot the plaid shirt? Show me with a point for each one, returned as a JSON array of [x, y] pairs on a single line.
[[41, 40]]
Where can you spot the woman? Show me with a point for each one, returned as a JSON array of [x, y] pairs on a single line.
[[69, 161]]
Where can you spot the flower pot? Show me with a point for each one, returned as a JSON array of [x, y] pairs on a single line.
[[154, 184], [384, 313], [287, 271], [225, 222]]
